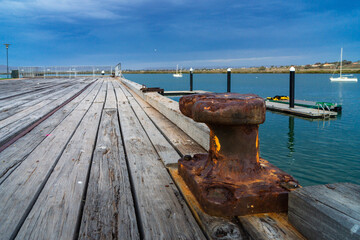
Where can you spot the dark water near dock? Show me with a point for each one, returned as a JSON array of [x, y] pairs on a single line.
[[313, 151]]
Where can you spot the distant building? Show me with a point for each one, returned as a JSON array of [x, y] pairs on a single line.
[[316, 65], [328, 64]]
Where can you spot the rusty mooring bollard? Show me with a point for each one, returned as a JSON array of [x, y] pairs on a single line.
[[232, 180]]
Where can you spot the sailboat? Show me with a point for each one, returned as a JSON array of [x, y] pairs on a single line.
[[177, 74], [343, 78]]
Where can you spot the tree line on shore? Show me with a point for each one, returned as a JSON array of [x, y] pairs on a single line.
[[327, 67]]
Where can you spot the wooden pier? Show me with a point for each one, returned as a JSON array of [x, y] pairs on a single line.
[[95, 158], [90, 170]]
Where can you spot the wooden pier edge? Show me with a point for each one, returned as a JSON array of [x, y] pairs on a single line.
[[330, 211], [170, 109]]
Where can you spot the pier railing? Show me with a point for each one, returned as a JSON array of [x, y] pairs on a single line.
[[64, 71]]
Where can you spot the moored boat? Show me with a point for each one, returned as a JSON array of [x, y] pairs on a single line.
[[343, 78]]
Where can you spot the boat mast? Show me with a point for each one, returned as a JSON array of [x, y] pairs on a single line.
[[341, 61]]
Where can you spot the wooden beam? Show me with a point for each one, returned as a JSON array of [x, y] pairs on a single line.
[[274, 226], [329, 211]]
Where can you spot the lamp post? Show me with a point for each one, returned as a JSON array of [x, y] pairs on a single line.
[[7, 58]]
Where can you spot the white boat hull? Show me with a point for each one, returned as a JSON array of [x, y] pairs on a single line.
[[343, 79], [177, 73]]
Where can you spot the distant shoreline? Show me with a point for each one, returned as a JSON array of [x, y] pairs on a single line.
[[246, 71]]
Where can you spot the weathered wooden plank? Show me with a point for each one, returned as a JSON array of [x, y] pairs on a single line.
[[269, 226], [162, 216], [16, 105], [329, 211], [10, 112], [166, 152], [23, 121], [56, 211], [25, 88], [11, 157], [41, 104], [178, 138], [20, 190], [109, 208], [110, 97], [22, 88], [16, 85], [213, 227], [34, 88]]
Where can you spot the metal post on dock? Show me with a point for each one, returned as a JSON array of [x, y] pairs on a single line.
[[229, 80], [292, 87], [191, 79]]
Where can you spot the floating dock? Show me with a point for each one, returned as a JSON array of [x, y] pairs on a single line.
[[96, 158], [311, 104], [302, 111]]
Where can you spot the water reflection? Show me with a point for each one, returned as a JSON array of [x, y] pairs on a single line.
[[340, 93], [291, 144]]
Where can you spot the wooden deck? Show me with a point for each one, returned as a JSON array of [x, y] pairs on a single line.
[[87, 163]]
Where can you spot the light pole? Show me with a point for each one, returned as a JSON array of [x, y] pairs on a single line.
[[7, 58]]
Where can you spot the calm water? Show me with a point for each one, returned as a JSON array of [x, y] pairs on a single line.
[[315, 152]]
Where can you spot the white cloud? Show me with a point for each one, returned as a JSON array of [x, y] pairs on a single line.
[[105, 9]]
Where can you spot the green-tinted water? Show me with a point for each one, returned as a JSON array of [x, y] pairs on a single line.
[[315, 152]]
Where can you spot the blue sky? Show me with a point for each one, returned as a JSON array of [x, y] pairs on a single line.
[[144, 34]]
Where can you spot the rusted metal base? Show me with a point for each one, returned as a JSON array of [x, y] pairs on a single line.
[[263, 191]]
